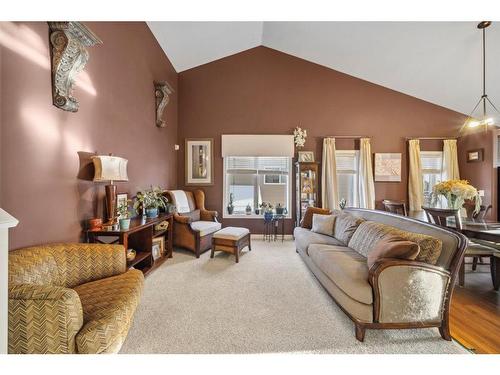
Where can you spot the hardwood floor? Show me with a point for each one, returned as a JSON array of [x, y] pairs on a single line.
[[475, 312]]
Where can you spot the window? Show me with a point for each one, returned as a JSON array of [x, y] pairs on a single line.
[[348, 176], [432, 169], [253, 180]]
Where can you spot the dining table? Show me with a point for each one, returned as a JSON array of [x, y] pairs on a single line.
[[475, 229]]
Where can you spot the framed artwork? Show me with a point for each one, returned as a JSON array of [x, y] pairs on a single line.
[[158, 249], [121, 198], [388, 167], [306, 156], [199, 158], [474, 156]]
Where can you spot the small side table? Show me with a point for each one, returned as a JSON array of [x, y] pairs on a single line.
[[272, 226]]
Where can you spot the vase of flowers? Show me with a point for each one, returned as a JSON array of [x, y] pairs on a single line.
[[456, 193], [151, 200], [268, 210]]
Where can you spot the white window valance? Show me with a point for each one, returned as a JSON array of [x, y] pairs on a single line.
[[257, 145]]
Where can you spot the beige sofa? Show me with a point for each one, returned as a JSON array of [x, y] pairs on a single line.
[[393, 293]]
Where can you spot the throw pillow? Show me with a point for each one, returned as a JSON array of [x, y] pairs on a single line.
[[308, 216], [345, 226], [194, 215], [323, 224], [392, 246]]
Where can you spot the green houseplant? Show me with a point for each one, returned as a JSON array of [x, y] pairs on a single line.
[[150, 201], [124, 215]]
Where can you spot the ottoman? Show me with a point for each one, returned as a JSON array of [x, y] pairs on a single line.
[[231, 240]]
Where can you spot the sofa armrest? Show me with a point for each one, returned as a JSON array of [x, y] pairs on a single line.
[[408, 291], [43, 319], [182, 219], [207, 215]]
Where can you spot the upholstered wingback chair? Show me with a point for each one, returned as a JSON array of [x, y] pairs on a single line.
[[194, 225], [71, 298]]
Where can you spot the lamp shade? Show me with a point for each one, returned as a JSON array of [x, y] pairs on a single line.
[[110, 168]]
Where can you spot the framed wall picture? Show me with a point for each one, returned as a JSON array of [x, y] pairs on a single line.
[[199, 159], [388, 167], [306, 156], [474, 156]]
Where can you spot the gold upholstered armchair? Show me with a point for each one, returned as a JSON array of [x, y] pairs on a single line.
[[71, 298], [194, 225]]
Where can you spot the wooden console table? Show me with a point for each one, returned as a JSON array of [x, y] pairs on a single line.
[[140, 238]]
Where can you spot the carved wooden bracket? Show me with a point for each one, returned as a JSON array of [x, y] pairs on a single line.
[[162, 91], [69, 56]]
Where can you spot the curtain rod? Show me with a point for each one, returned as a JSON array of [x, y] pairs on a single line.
[[346, 136], [430, 138]]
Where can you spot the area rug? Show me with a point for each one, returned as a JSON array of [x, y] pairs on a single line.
[[267, 303]]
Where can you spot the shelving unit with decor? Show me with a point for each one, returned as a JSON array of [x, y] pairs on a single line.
[[307, 189], [140, 238]]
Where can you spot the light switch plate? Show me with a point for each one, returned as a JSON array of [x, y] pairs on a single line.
[[176, 147]]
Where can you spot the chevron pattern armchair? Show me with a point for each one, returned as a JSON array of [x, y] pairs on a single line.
[[71, 298]]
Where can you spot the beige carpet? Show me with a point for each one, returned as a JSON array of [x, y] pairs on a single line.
[[268, 303]]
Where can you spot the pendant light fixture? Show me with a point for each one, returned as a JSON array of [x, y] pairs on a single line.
[[479, 115]]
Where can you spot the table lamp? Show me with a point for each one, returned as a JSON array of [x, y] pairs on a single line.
[[113, 169]]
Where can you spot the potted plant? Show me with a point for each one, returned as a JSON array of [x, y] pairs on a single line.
[[230, 206], [280, 210], [124, 215], [268, 210], [248, 209], [150, 201]]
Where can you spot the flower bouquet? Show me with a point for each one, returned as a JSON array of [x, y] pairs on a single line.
[[299, 136], [456, 193]]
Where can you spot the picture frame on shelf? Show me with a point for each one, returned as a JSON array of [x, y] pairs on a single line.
[[199, 161], [306, 156], [121, 198], [158, 249], [474, 156], [387, 167]]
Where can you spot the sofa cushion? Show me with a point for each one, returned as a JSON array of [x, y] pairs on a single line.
[[392, 246], [304, 237], [205, 227], [345, 226], [369, 233], [323, 224], [108, 308], [308, 216], [346, 268]]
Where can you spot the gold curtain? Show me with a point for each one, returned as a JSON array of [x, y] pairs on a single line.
[[450, 160], [415, 182], [366, 185], [329, 192]]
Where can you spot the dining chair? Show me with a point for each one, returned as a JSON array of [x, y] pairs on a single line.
[[395, 207], [440, 216], [483, 211]]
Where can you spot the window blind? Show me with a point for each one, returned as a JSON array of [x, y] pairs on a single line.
[[347, 161], [257, 165], [432, 161]]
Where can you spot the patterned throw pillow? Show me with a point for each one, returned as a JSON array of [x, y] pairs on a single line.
[[345, 226], [369, 233], [323, 224]]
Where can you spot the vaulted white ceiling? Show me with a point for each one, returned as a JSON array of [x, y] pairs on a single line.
[[439, 62]]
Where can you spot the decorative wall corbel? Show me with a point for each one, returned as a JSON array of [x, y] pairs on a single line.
[[162, 91], [68, 57]]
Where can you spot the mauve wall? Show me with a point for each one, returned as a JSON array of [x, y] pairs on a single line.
[[482, 174], [40, 143], [263, 91]]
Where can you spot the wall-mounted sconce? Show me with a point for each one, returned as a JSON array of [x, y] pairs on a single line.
[[162, 91], [68, 58]]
